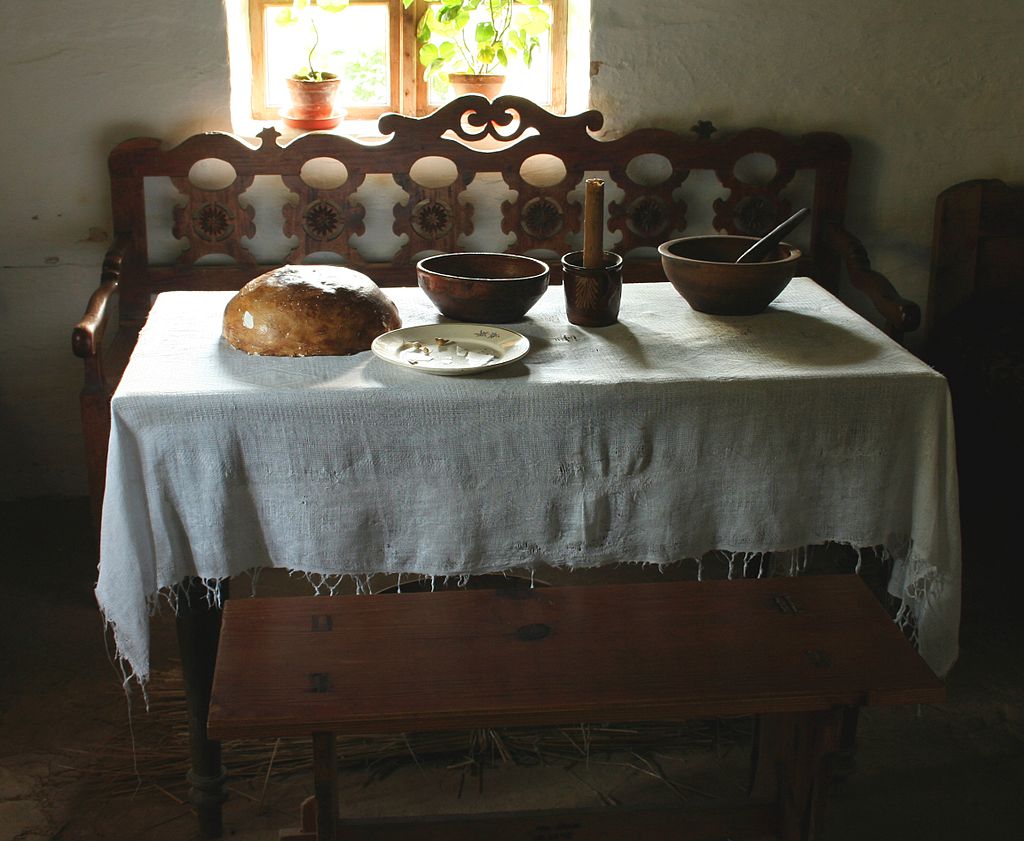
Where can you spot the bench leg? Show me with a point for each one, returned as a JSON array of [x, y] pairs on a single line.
[[325, 785], [198, 625], [793, 757], [846, 756]]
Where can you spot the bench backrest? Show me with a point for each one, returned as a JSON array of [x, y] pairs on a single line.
[[220, 226]]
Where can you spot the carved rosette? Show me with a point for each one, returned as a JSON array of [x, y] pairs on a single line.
[[753, 209], [324, 220], [647, 215], [542, 217], [433, 218], [213, 221], [751, 215], [757, 215]]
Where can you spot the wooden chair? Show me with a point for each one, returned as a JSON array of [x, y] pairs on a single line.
[[976, 338], [219, 226]]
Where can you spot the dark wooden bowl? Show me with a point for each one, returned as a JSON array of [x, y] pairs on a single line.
[[478, 286], [705, 272]]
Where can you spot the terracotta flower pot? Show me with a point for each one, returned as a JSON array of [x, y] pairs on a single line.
[[488, 85], [312, 103]]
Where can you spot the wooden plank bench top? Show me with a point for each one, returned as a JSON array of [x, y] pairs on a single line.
[[795, 651], [478, 658]]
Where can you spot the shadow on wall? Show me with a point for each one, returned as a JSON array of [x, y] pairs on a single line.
[[41, 450]]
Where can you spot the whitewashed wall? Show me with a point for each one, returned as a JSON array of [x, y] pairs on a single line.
[[928, 92], [75, 78]]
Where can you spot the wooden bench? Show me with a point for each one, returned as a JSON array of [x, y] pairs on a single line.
[[174, 231], [792, 651]]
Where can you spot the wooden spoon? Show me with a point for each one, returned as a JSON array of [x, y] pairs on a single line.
[[767, 243]]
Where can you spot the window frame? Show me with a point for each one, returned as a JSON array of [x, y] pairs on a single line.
[[408, 90], [558, 36]]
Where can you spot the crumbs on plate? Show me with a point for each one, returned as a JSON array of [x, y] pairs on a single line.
[[445, 352]]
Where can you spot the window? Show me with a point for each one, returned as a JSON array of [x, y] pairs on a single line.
[[371, 45]]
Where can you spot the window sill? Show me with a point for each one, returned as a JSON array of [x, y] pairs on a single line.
[[361, 130]]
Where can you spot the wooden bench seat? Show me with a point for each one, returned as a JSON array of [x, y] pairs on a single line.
[[794, 651]]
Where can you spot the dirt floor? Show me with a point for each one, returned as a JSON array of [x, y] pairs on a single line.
[[72, 768]]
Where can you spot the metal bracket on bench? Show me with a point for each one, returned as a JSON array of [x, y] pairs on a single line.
[[784, 603], [323, 622]]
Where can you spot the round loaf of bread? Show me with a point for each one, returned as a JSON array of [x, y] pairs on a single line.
[[308, 311]]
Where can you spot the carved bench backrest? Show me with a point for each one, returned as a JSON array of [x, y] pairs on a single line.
[[477, 137]]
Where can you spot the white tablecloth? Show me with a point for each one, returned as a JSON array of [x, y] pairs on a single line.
[[665, 436]]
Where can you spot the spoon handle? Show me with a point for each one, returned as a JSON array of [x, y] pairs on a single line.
[[768, 242]]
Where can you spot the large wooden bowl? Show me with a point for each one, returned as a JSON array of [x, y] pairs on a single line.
[[705, 272], [480, 286]]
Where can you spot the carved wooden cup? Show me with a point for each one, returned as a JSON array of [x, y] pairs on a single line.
[[592, 296]]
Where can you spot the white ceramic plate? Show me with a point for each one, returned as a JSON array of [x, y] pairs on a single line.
[[451, 349]]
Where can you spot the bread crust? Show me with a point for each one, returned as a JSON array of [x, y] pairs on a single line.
[[308, 311]]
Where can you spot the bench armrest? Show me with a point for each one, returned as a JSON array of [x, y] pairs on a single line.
[[87, 336], [900, 314]]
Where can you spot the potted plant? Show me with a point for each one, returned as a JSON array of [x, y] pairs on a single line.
[[465, 45], [312, 91]]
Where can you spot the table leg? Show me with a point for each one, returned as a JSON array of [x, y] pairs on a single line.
[[793, 757], [198, 624]]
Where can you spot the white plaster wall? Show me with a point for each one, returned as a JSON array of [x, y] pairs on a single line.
[[75, 78], [928, 92]]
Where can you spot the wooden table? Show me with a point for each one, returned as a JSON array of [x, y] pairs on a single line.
[[658, 439]]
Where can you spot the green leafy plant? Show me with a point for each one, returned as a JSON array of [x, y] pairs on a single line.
[[477, 36], [304, 13], [364, 75]]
